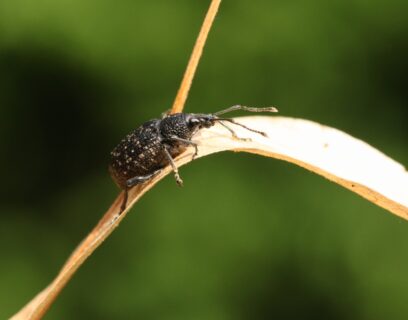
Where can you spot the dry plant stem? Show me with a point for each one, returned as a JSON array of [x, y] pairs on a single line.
[[40, 304], [323, 150], [185, 85]]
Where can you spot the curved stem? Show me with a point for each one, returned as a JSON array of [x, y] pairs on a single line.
[[326, 151]]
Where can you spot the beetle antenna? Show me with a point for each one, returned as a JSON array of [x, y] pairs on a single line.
[[239, 124], [250, 109]]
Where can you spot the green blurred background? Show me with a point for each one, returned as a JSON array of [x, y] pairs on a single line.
[[247, 237]]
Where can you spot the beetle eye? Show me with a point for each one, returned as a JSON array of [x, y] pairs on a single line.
[[194, 121]]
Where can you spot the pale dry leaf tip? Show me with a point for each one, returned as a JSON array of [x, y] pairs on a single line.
[[326, 151]]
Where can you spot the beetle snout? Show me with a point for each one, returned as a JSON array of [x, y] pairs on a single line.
[[200, 121], [207, 123]]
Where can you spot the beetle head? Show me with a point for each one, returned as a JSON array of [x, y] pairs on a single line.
[[199, 121]]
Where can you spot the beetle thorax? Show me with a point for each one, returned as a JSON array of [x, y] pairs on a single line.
[[175, 125]]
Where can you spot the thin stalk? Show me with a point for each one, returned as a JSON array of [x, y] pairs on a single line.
[[185, 85]]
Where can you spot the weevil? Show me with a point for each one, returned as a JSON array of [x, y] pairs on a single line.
[[146, 150]]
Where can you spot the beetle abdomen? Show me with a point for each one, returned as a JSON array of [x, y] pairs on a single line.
[[138, 154]]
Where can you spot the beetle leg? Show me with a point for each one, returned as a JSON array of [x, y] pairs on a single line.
[[124, 201], [131, 183], [173, 165], [189, 142], [139, 179]]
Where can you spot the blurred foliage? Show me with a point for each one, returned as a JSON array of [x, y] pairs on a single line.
[[247, 237]]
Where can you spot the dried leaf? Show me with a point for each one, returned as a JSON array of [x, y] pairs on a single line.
[[329, 152]]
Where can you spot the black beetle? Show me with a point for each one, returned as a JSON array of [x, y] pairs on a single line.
[[154, 145]]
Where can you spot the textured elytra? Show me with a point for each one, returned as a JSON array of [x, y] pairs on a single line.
[[142, 151]]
